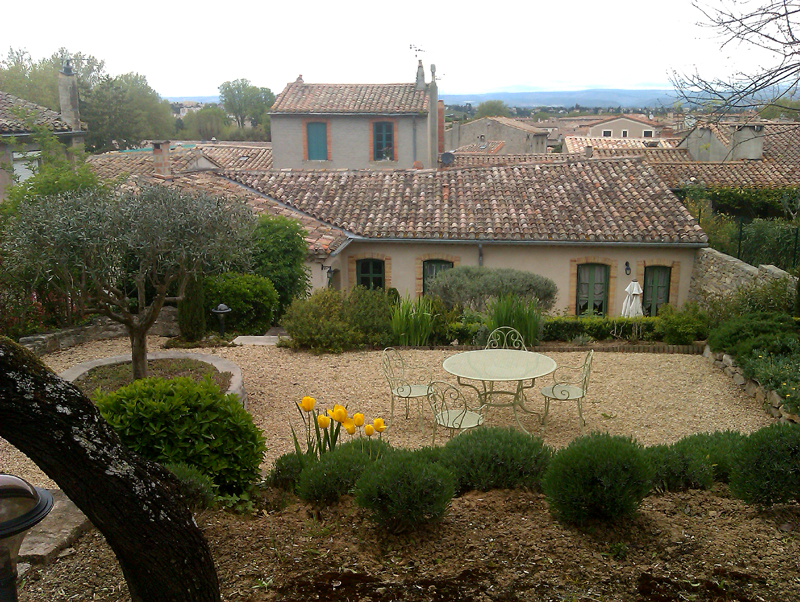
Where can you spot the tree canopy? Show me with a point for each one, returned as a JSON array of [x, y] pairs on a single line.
[[492, 108], [245, 101], [205, 124]]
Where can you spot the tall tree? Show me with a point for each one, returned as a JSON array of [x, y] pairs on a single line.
[[245, 101], [205, 124], [492, 108], [134, 503], [121, 256]]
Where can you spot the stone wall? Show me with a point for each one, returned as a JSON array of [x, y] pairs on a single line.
[[99, 328], [717, 273]]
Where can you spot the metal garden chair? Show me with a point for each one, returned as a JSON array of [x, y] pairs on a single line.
[[506, 337], [571, 386], [451, 410], [406, 383]]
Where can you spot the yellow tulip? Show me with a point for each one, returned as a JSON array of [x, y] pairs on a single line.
[[379, 425], [308, 403], [369, 430], [358, 419], [339, 413], [323, 421], [349, 426]]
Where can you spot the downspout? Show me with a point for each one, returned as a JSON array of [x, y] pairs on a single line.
[[480, 255], [414, 139]]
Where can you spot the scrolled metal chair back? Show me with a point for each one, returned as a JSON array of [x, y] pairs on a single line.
[[506, 337], [587, 370], [443, 398]]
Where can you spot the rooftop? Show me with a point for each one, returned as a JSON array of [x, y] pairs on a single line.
[[13, 113], [300, 97]]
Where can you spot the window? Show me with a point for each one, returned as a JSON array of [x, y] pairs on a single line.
[[431, 268], [370, 273], [383, 137], [656, 288], [317, 138], [606, 133], [592, 294], [25, 164], [647, 134], [624, 133]]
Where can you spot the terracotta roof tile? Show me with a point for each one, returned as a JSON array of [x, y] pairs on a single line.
[[471, 159], [577, 144], [592, 201], [731, 174], [240, 157], [483, 147], [300, 97], [11, 122]]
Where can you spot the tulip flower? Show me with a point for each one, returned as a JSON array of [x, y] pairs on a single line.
[[358, 419], [339, 413], [379, 425], [349, 426], [308, 403], [369, 430], [323, 421]]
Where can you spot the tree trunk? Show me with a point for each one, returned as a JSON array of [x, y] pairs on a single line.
[[138, 352], [134, 503]]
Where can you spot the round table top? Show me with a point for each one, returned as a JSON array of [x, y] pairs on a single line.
[[499, 365]]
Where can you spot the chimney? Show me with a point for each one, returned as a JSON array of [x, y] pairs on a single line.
[[433, 121], [420, 83], [161, 164], [441, 126], [747, 142], [68, 96], [588, 152]]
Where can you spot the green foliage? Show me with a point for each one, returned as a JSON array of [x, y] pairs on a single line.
[[198, 489], [286, 470], [740, 336], [771, 242], [404, 493], [598, 476], [412, 321], [496, 458], [180, 420], [245, 101], [192, 311], [205, 124], [676, 469], [767, 467], [320, 323], [717, 449], [518, 313], [568, 328], [369, 313], [252, 300], [772, 295], [279, 253], [441, 332], [777, 371], [465, 328], [472, 287], [492, 108], [684, 326], [322, 483]]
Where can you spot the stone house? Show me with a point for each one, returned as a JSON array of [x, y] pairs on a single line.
[[357, 126], [624, 126], [517, 136]]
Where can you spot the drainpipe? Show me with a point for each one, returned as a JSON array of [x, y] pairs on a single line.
[[480, 254], [414, 138]]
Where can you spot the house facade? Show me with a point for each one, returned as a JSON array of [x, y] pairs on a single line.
[[356, 126], [624, 126], [517, 137]]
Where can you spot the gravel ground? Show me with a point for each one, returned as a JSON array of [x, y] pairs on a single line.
[[656, 398]]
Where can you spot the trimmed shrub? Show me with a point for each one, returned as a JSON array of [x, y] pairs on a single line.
[[472, 286], [320, 323], [286, 470], [369, 312], [404, 493], [252, 300], [773, 296], [766, 470], [335, 474], [180, 420], [197, 488], [677, 469], [598, 476], [682, 327], [717, 449], [567, 328], [740, 336], [192, 311], [496, 458]]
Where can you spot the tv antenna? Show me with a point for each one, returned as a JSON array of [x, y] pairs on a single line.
[[417, 50]]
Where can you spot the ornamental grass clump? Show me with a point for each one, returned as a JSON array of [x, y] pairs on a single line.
[[405, 491], [413, 321], [598, 476], [766, 469], [496, 458]]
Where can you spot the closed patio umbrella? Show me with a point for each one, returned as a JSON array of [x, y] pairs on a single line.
[[632, 306]]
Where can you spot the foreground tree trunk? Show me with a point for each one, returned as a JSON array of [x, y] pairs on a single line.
[[138, 352], [134, 502]]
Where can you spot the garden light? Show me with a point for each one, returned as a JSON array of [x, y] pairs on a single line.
[[21, 507], [220, 311]]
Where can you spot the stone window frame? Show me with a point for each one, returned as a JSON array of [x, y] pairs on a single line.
[[304, 124], [612, 281], [421, 259], [387, 268], [674, 275]]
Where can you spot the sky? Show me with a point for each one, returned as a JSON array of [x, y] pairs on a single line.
[[190, 48]]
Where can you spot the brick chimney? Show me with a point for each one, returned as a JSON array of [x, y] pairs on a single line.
[[68, 96], [161, 165]]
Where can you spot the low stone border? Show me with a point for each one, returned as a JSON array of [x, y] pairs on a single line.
[[221, 364], [771, 400]]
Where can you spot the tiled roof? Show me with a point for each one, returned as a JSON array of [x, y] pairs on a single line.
[[731, 174], [520, 125], [484, 147], [651, 155], [12, 123], [577, 144], [300, 97], [619, 201], [637, 118], [140, 162], [228, 156], [484, 160]]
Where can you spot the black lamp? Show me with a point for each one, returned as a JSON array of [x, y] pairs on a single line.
[[220, 311], [21, 506], [627, 269]]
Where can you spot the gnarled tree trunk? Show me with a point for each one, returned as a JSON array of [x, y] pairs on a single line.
[[134, 502]]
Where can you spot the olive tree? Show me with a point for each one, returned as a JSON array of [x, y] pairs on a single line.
[[126, 256]]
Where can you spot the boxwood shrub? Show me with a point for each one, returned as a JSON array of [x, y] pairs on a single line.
[[252, 300], [766, 470]]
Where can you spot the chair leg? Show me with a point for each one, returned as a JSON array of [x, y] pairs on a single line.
[[582, 422], [546, 411]]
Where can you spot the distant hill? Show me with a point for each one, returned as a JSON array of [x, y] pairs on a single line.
[[585, 98]]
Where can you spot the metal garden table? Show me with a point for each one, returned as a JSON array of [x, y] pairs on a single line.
[[490, 366]]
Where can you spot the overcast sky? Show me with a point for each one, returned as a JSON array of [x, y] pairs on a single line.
[[189, 48]]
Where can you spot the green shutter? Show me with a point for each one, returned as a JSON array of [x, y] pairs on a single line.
[[656, 288], [432, 267], [317, 134], [592, 293], [370, 273]]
